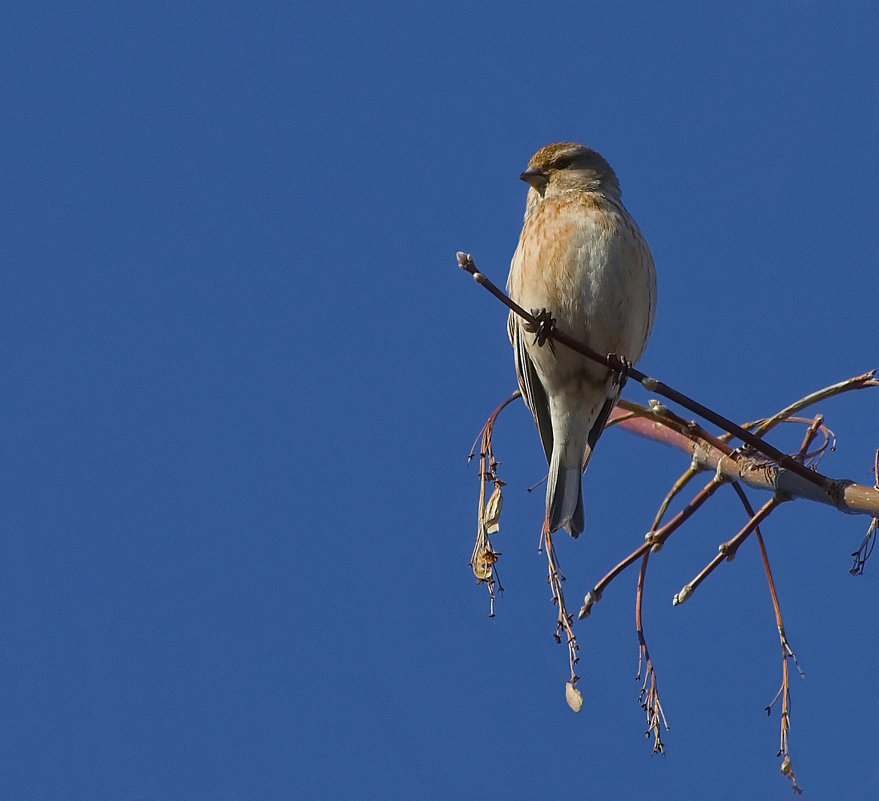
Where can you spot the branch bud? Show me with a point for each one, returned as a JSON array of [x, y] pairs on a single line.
[[683, 595]]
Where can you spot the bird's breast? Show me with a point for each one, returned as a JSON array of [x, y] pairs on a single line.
[[583, 258]]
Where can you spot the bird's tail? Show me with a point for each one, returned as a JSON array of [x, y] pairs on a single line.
[[564, 486], [564, 491]]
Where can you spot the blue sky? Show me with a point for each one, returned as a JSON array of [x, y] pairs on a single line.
[[242, 373]]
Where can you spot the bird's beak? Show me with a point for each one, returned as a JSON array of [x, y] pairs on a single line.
[[535, 177]]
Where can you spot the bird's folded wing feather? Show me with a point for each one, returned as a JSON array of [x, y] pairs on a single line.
[[601, 420], [532, 389]]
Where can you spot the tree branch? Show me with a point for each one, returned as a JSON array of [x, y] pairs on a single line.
[[756, 464], [613, 362], [656, 424]]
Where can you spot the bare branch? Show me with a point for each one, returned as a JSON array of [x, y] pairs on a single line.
[[845, 495], [756, 464], [654, 541], [727, 550], [858, 382], [613, 362]]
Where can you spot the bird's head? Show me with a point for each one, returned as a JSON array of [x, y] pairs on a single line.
[[564, 166]]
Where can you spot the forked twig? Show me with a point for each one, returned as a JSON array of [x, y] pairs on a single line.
[[654, 540], [727, 550]]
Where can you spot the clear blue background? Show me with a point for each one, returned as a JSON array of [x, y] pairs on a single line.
[[242, 372]]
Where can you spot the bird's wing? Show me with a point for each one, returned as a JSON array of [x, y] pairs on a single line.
[[601, 420], [532, 389]]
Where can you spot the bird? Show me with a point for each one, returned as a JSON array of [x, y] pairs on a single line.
[[582, 265]]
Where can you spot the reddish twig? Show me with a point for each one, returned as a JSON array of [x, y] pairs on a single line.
[[648, 697], [727, 550], [654, 540], [484, 558], [786, 653], [845, 495]]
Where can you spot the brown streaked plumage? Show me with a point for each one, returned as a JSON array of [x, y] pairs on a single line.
[[581, 257]]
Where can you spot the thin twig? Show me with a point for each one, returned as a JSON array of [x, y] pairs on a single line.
[[727, 550], [858, 382], [564, 621], [811, 432], [648, 697], [786, 652], [484, 558], [689, 474], [654, 540]]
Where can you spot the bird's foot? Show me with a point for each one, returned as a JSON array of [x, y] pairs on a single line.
[[543, 326], [621, 366]]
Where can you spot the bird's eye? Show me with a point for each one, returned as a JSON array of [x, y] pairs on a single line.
[[563, 161]]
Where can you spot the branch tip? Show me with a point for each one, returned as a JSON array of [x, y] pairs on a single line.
[[682, 596]]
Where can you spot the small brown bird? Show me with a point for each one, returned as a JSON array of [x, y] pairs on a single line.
[[582, 258]]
